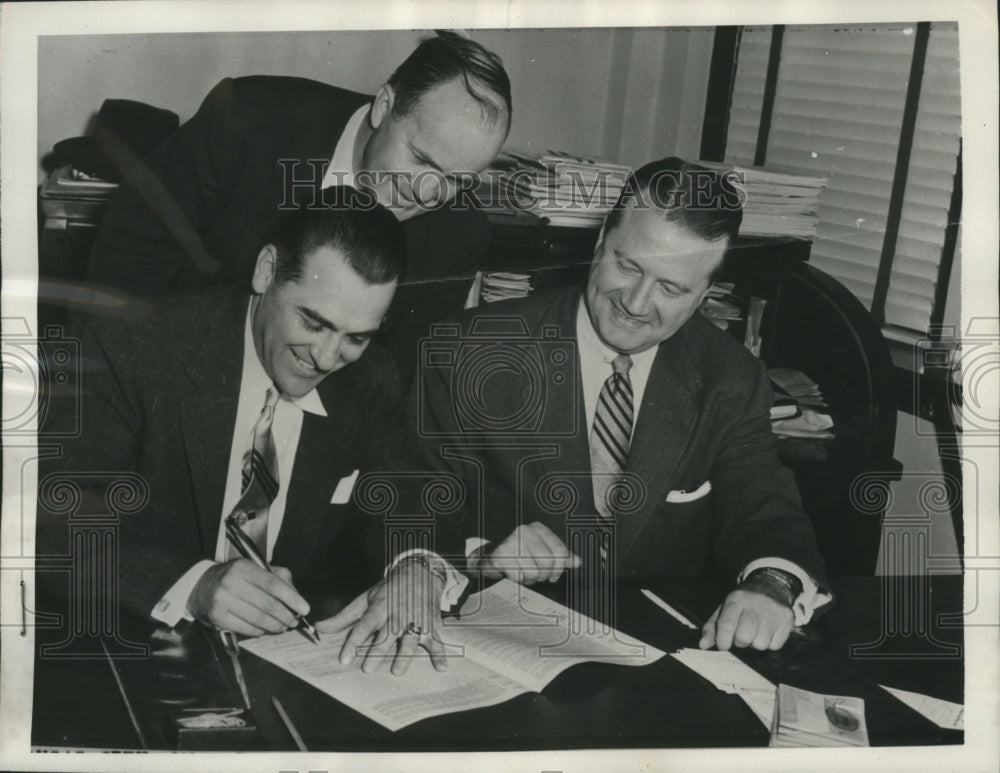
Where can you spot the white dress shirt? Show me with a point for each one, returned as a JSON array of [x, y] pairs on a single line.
[[341, 169], [595, 367], [286, 428], [596, 359]]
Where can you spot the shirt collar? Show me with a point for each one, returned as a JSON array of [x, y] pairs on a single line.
[[343, 154], [591, 344], [255, 379]]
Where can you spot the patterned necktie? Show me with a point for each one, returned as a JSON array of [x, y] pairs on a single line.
[[612, 431], [260, 479]]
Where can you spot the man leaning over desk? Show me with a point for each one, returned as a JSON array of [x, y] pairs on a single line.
[[263, 400], [193, 213], [661, 426]]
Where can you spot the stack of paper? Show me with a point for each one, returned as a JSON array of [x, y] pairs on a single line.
[[810, 417], [730, 674], [804, 718], [565, 189], [499, 285], [777, 204], [721, 306]]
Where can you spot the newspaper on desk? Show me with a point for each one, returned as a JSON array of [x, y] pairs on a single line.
[[509, 640]]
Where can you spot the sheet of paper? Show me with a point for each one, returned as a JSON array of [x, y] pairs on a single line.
[[942, 713], [510, 640], [730, 674], [392, 701], [761, 703], [723, 669], [531, 639]]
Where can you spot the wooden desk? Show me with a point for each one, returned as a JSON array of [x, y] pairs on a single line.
[[589, 706]]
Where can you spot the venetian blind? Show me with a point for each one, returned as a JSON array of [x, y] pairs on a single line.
[[838, 112]]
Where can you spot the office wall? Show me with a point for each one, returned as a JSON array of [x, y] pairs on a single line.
[[630, 95]]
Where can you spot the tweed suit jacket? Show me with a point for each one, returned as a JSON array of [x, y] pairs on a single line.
[[504, 411], [160, 394], [195, 212]]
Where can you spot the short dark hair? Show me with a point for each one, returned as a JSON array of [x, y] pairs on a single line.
[[448, 56], [371, 238], [705, 202]]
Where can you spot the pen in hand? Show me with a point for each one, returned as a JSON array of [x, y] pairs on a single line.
[[248, 549]]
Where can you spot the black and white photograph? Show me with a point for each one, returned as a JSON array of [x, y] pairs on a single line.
[[549, 387]]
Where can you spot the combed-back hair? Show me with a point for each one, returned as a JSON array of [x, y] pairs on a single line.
[[369, 236], [704, 201], [444, 58]]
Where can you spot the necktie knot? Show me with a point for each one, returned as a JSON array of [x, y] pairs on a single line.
[[270, 401], [622, 365]]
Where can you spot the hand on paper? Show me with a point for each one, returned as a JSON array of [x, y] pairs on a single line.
[[381, 617], [241, 597], [748, 619], [531, 553]]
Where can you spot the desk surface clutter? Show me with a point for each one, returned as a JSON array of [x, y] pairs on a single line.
[[574, 694]]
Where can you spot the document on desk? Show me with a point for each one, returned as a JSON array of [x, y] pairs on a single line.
[[730, 674], [942, 713], [509, 640]]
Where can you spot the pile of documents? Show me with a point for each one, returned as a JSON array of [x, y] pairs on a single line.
[[500, 285], [803, 718], [777, 204], [721, 307], [799, 409], [565, 189]]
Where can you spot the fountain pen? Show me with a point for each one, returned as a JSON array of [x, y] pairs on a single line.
[[248, 549]]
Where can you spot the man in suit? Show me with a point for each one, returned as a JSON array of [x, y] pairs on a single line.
[[263, 404], [615, 419], [193, 213]]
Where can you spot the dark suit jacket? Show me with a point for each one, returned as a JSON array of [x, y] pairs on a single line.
[[507, 408], [159, 399], [196, 211]]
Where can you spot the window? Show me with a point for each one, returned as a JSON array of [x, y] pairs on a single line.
[[876, 109]]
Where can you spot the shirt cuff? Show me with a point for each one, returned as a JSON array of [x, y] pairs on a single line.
[[455, 582], [172, 608], [812, 597]]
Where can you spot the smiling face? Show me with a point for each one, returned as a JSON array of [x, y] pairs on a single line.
[[446, 132], [305, 329], [647, 279]]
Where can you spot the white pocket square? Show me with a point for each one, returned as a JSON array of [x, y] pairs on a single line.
[[342, 494], [681, 496]]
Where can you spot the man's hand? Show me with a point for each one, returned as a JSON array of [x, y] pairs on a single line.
[[747, 618], [531, 553], [241, 597], [409, 594]]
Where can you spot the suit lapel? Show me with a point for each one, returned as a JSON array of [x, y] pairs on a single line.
[[663, 431], [567, 412], [209, 411], [321, 459]]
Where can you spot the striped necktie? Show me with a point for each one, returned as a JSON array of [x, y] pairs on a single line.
[[612, 431], [260, 479]]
